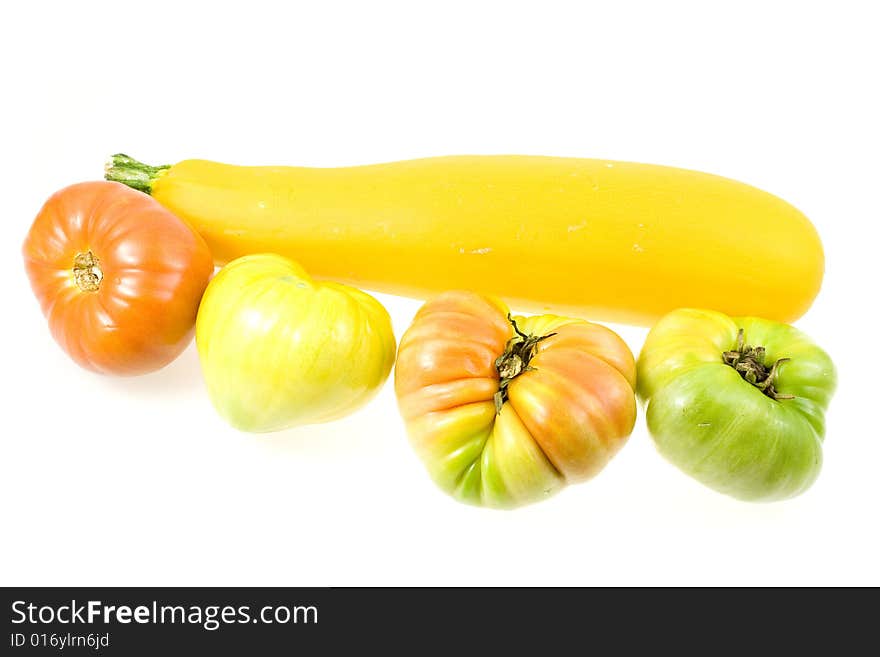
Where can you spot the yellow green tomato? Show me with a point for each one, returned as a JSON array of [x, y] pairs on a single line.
[[279, 349], [506, 411], [737, 403]]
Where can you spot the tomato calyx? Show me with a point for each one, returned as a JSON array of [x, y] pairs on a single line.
[[750, 363], [518, 352], [87, 272]]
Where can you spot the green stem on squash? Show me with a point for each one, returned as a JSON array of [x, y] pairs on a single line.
[[129, 171], [518, 352], [749, 362]]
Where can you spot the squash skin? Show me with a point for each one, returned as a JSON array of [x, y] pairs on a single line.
[[614, 241]]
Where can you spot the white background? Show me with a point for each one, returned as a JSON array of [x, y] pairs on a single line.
[[109, 482]]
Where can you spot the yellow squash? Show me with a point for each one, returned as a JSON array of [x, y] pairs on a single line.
[[593, 238]]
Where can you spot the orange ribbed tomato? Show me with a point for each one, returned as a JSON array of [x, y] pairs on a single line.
[[507, 410], [117, 275]]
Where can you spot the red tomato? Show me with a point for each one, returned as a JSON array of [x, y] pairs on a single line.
[[507, 410], [117, 275]]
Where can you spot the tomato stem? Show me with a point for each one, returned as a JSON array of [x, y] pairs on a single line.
[[750, 363], [518, 352], [87, 272], [129, 171]]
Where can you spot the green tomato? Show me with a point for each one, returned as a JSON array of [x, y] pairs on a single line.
[[737, 403], [279, 349]]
